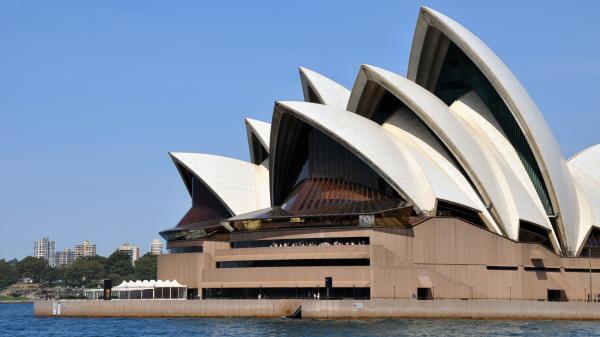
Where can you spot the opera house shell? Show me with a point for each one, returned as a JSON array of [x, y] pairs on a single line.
[[446, 183]]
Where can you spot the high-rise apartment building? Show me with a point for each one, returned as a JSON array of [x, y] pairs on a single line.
[[131, 250], [85, 249], [46, 249], [156, 247], [64, 258]]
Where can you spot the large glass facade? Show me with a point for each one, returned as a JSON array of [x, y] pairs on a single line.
[[203, 218], [312, 95], [259, 153], [333, 178], [205, 206]]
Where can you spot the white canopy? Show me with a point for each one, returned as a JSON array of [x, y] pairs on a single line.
[[147, 284]]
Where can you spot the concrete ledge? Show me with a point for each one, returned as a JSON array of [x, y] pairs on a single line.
[[377, 308], [471, 309], [166, 308]]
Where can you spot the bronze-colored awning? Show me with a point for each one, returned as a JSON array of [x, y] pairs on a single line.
[[353, 209], [195, 231]]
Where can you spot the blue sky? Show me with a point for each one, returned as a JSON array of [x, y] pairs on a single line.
[[93, 94]]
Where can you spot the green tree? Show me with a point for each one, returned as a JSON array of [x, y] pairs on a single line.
[[118, 267], [36, 269], [100, 259], [53, 274], [145, 267], [8, 274], [85, 272]]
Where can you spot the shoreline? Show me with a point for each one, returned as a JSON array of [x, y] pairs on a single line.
[[325, 309], [17, 301]]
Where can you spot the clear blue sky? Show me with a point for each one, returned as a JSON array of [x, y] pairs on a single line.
[[93, 94]]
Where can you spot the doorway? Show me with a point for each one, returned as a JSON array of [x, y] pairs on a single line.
[[424, 294]]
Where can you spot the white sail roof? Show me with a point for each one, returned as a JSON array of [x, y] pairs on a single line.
[[484, 128], [242, 187], [585, 169], [544, 146], [448, 183], [380, 150], [479, 165], [327, 91], [261, 130]]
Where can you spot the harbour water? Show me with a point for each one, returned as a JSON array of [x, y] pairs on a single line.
[[18, 320]]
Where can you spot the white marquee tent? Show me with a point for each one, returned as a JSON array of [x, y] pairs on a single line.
[[153, 289]]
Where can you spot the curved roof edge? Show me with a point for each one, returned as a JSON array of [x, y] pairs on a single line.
[[476, 115], [481, 122], [590, 153], [262, 131], [586, 188], [448, 183], [241, 186], [585, 169], [539, 136], [481, 168], [328, 92], [372, 145]]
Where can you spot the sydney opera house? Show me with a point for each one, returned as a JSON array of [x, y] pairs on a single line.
[[444, 183]]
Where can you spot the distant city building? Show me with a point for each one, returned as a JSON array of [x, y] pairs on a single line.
[[46, 249], [131, 250], [64, 258], [156, 247], [85, 249]]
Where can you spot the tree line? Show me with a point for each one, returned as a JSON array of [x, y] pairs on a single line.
[[86, 272]]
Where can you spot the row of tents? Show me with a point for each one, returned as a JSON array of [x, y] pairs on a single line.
[[146, 289]]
